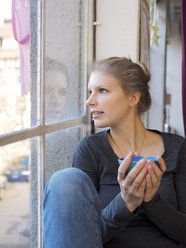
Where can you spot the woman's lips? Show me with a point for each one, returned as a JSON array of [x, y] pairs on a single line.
[[96, 114]]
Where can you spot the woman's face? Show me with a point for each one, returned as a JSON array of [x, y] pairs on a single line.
[[108, 103], [56, 84]]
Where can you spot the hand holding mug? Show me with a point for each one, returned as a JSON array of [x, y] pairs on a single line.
[[153, 178], [132, 185]]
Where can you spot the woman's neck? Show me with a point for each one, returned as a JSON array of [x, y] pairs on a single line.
[[127, 138]]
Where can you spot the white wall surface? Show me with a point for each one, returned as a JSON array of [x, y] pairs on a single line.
[[118, 32]]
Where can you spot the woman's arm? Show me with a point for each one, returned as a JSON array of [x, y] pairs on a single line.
[[115, 216], [170, 219], [124, 207]]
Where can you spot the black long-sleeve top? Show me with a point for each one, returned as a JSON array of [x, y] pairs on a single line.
[[159, 223]]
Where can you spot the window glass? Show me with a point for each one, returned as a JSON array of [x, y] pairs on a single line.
[[14, 100], [60, 148], [14, 107], [15, 195], [64, 73]]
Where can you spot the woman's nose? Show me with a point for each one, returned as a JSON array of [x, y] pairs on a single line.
[[91, 100]]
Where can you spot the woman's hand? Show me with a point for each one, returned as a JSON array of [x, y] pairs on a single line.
[[153, 178], [132, 185]]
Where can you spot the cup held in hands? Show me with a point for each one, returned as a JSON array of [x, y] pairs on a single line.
[[135, 159]]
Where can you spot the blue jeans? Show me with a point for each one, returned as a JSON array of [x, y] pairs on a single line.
[[71, 211]]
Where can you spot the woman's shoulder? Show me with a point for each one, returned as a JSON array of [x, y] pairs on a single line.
[[173, 142], [169, 136], [175, 138]]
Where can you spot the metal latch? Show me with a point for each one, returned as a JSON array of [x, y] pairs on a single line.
[[96, 23]]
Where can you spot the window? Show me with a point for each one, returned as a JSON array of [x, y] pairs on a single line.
[[15, 194], [57, 99]]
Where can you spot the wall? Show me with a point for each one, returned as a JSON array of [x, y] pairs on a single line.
[[118, 29]]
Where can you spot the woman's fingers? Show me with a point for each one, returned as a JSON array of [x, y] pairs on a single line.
[[136, 176], [131, 176], [123, 167], [142, 181], [153, 178], [132, 185], [155, 171], [162, 164], [148, 183], [142, 186]]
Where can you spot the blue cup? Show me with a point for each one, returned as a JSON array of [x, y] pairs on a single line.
[[135, 159], [153, 158]]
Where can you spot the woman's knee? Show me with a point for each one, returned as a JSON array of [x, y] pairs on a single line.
[[69, 180], [70, 185]]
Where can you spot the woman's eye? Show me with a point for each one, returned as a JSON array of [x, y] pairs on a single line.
[[89, 92], [103, 91]]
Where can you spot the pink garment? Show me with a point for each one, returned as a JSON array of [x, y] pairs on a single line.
[[21, 30]]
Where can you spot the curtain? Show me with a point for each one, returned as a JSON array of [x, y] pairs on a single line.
[[21, 31], [183, 29]]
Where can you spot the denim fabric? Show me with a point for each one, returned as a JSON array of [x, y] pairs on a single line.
[[71, 211]]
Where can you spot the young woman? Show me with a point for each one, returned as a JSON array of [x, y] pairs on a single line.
[[99, 204]]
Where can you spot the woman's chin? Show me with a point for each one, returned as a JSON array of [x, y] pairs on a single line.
[[100, 124]]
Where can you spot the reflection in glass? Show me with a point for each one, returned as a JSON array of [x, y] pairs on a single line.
[[64, 50], [56, 84]]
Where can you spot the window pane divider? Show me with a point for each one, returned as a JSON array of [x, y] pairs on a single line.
[[39, 131]]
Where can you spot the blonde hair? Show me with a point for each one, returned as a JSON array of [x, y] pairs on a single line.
[[133, 77]]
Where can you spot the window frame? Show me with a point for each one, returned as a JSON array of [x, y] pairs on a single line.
[[41, 129]]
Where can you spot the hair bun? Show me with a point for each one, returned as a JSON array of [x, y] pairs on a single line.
[[146, 71]]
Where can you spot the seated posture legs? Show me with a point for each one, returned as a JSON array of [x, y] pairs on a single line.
[[71, 211]]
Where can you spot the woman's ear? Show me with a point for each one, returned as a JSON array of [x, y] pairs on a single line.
[[134, 99]]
